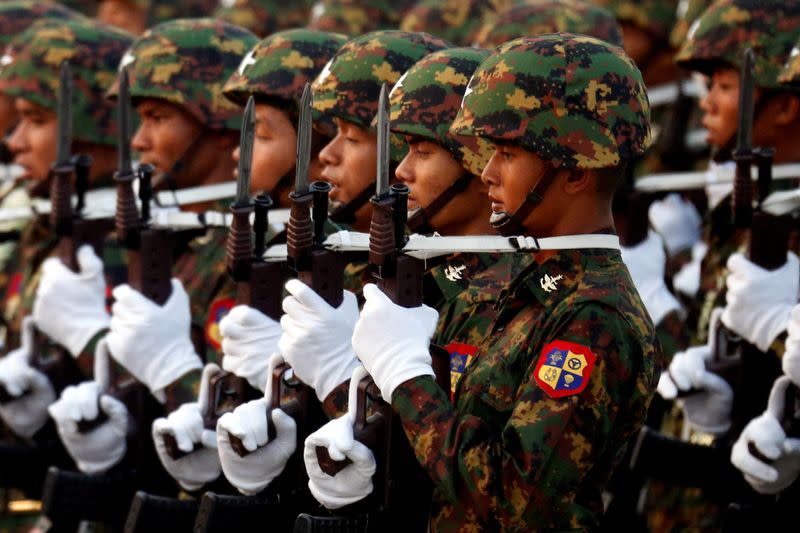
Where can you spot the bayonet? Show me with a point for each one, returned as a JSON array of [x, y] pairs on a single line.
[[382, 175], [304, 127], [744, 133], [243, 197], [742, 199], [124, 123], [64, 147]]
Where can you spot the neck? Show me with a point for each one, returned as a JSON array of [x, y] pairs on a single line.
[[787, 150], [582, 217], [660, 69], [104, 162]]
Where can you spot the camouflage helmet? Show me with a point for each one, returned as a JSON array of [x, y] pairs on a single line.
[[550, 16], [573, 100], [16, 16], [84, 7], [688, 11], [264, 17], [280, 66], [427, 97], [186, 62], [168, 10], [724, 30], [93, 50], [457, 21], [653, 16], [349, 85]]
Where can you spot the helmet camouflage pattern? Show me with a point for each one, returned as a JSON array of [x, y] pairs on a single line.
[[551, 16], [573, 100], [33, 62], [457, 21], [427, 97], [186, 62], [17, 15], [264, 17], [688, 11], [790, 75], [724, 30], [280, 66], [167, 10], [350, 84], [656, 17]]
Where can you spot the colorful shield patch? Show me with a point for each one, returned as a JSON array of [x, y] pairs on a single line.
[[13, 292], [564, 368], [218, 310], [460, 357]]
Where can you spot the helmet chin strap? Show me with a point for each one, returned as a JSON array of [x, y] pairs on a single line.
[[346, 213], [508, 224], [179, 166], [419, 222]]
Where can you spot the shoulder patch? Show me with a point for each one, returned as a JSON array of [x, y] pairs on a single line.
[[218, 310], [564, 368], [461, 356]]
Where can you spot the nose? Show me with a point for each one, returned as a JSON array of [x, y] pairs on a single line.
[[236, 153], [330, 155], [141, 141], [17, 141], [490, 176], [405, 171]]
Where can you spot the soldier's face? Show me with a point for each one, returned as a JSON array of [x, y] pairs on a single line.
[[33, 141], [721, 106], [428, 170], [123, 14], [273, 148], [348, 164], [637, 43], [165, 133]]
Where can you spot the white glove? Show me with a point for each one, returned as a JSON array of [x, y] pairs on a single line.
[[33, 392], [316, 340], [392, 341], [254, 472], [759, 302], [677, 220], [687, 280], [151, 341], [767, 435], [248, 338], [70, 308], [718, 186], [646, 262], [791, 357], [709, 408], [354, 481], [199, 467], [104, 446]]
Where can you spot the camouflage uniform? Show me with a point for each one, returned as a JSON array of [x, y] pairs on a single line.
[[457, 21], [355, 17], [32, 72], [186, 62], [528, 445], [571, 16], [264, 17]]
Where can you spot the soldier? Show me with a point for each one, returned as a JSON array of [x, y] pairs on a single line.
[[354, 18], [72, 318], [130, 15], [187, 131], [528, 20], [531, 428], [264, 17], [457, 21], [274, 72]]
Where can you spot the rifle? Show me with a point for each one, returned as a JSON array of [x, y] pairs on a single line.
[[403, 489]]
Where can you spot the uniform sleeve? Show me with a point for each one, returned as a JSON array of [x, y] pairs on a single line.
[[521, 469]]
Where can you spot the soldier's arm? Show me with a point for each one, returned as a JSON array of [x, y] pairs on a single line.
[[547, 444]]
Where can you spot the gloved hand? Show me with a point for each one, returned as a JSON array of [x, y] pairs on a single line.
[[248, 422], [791, 357], [152, 341], [316, 338], [677, 220], [199, 467], [687, 280], [646, 262], [718, 184], [759, 302], [392, 341], [708, 407], [33, 392], [353, 482], [248, 337], [103, 447], [767, 435], [70, 307]]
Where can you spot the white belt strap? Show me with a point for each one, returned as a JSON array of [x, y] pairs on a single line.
[[679, 181]]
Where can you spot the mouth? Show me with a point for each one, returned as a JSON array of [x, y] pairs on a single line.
[[412, 203], [497, 205]]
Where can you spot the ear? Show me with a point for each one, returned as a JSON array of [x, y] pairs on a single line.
[[785, 109], [577, 180]]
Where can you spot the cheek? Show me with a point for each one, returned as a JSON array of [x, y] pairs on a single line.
[[272, 159], [359, 163]]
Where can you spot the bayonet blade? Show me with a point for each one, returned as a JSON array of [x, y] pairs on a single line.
[[744, 134], [246, 154], [124, 123], [382, 178], [303, 142], [64, 148]]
